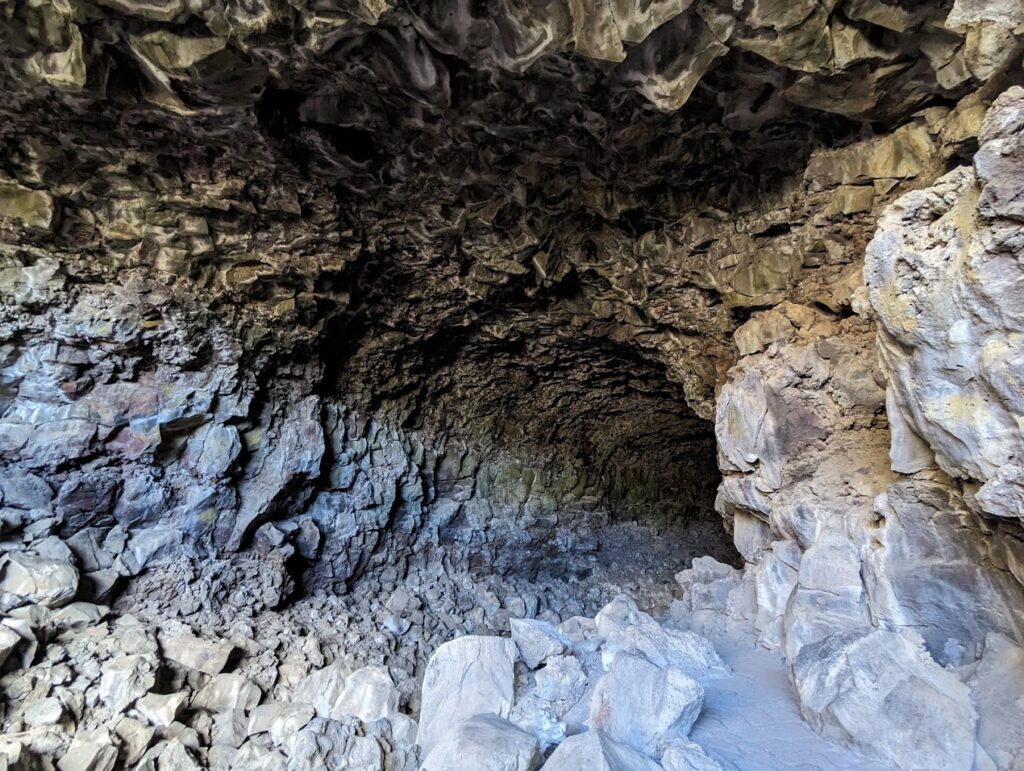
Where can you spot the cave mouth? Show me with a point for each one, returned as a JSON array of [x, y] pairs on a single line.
[[563, 466]]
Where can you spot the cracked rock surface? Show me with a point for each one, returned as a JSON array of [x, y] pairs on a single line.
[[340, 338]]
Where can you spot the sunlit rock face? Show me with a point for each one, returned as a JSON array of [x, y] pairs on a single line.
[[302, 298]]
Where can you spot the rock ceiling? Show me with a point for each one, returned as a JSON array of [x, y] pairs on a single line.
[[529, 171]]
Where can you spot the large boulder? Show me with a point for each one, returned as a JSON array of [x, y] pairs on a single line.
[[643, 705], [625, 627], [882, 692], [593, 751], [483, 743], [468, 676]]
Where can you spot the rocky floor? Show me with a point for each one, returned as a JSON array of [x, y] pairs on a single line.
[[191, 670]]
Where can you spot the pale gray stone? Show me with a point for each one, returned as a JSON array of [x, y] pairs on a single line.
[[126, 679], [90, 751], [882, 691], [593, 751], [644, 706], [683, 755], [161, 709], [468, 676], [9, 640], [627, 628], [561, 679], [280, 719], [26, 578], [369, 694], [483, 743], [322, 688], [42, 712], [206, 656], [537, 640], [228, 691]]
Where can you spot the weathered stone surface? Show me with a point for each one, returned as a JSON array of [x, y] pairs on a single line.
[[469, 676], [537, 640], [995, 685], [161, 709], [27, 578], [90, 751], [592, 750], [944, 288], [227, 692], [279, 718], [643, 705], [369, 694], [682, 755], [126, 679], [910, 711], [484, 742], [206, 656], [626, 628]]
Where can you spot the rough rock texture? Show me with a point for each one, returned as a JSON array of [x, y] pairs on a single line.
[[851, 522], [236, 290], [420, 317]]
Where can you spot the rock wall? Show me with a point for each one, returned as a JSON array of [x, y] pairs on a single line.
[[862, 488]]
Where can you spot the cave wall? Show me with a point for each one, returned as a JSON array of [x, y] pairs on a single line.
[[324, 287], [870, 469]]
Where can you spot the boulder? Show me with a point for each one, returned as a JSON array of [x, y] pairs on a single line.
[[322, 688], [537, 640], [483, 743], [206, 656], [333, 744], [593, 751], [90, 751], [281, 719], [369, 694], [468, 676], [161, 709], [643, 705], [25, 578], [683, 755], [882, 692], [562, 679], [227, 691], [126, 679], [627, 628]]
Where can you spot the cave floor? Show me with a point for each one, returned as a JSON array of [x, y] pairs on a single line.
[[750, 720]]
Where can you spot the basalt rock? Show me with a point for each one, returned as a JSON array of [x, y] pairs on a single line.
[[424, 322]]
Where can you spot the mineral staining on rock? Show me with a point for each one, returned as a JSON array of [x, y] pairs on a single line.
[[353, 357]]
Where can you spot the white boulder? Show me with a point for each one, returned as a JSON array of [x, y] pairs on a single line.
[[483, 743], [643, 705], [537, 640], [468, 676], [25, 578], [593, 751]]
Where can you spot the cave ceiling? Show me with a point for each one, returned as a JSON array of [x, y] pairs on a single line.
[[539, 180]]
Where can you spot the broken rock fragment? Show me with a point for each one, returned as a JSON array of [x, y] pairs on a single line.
[[25, 578], [90, 751], [645, 706], [228, 691], [536, 640], [593, 751], [369, 694], [483, 743], [193, 652], [468, 676]]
